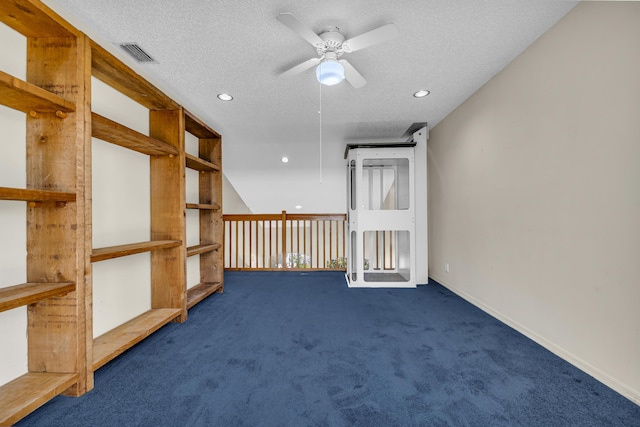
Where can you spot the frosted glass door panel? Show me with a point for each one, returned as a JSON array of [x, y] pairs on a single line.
[[385, 184]]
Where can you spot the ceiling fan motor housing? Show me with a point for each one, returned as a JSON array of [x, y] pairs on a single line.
[[332, 43]]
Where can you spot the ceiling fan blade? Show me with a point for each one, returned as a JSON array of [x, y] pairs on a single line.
[[301, 67], [352, 75], [299, 28], [373, 37]]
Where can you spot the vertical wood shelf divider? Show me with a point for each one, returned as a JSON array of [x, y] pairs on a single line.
[[168, 273], [55, 98]]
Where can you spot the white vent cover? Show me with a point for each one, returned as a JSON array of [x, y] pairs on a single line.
[[136, 52]]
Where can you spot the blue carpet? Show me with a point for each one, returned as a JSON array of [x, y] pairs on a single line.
[[301, 349]]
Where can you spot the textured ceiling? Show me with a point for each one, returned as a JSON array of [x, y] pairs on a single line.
[[205, 47]]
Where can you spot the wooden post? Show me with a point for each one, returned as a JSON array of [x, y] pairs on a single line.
[[60, 329], [168, 212], [85, 215]]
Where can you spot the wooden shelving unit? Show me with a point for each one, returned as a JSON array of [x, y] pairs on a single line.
[[58, 289], [209, 164], [56, 292]]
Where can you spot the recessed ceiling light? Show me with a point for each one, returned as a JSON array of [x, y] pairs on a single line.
[[284, 159], [421, 93], [225, 97], [298, 207]]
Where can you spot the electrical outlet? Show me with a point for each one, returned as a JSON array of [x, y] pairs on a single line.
[[446, 267]]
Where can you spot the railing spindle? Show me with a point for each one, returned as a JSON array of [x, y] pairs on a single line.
[[237, 243], [344, 238], [250, 238], [290, 227], [271, 242], [229, 240], [324, 243], [318, 245], [311, 243], [283, 221], [298, 242], [330, 241]]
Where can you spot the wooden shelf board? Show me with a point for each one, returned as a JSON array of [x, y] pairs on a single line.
[[29, 293], [28, 195], [211, 207], [115, 133], [30, 391], [115, 342], [201, 249], [26, 97], [119, 76], [200, 291], [103, 254], [198, 128], [199, 164]]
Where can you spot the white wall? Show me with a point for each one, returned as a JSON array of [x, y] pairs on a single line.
[[13, 218], [232, 202], [193, 216], [534, 193], [120, 214]]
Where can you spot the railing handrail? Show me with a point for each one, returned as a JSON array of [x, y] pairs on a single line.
[[290, 217]]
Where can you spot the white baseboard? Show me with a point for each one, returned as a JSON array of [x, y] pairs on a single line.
[[623, 389]]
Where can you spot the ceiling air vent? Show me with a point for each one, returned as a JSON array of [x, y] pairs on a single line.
[[137, 52]]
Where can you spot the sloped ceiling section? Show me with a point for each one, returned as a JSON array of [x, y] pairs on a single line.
[[205, 47]]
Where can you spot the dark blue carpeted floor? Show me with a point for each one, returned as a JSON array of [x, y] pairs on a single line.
[[295, 349]]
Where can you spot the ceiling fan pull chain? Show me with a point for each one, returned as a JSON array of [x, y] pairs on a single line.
[[320, 120]]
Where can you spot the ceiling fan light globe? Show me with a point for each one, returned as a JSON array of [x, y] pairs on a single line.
[[330, 73]]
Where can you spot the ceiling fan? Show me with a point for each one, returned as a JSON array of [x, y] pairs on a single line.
[[330, 46]]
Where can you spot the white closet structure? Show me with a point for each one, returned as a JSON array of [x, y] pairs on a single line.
[[387, 214]]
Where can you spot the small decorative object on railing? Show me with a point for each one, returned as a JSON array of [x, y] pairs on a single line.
[[337, 264], [285, 242], [341, 264]]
